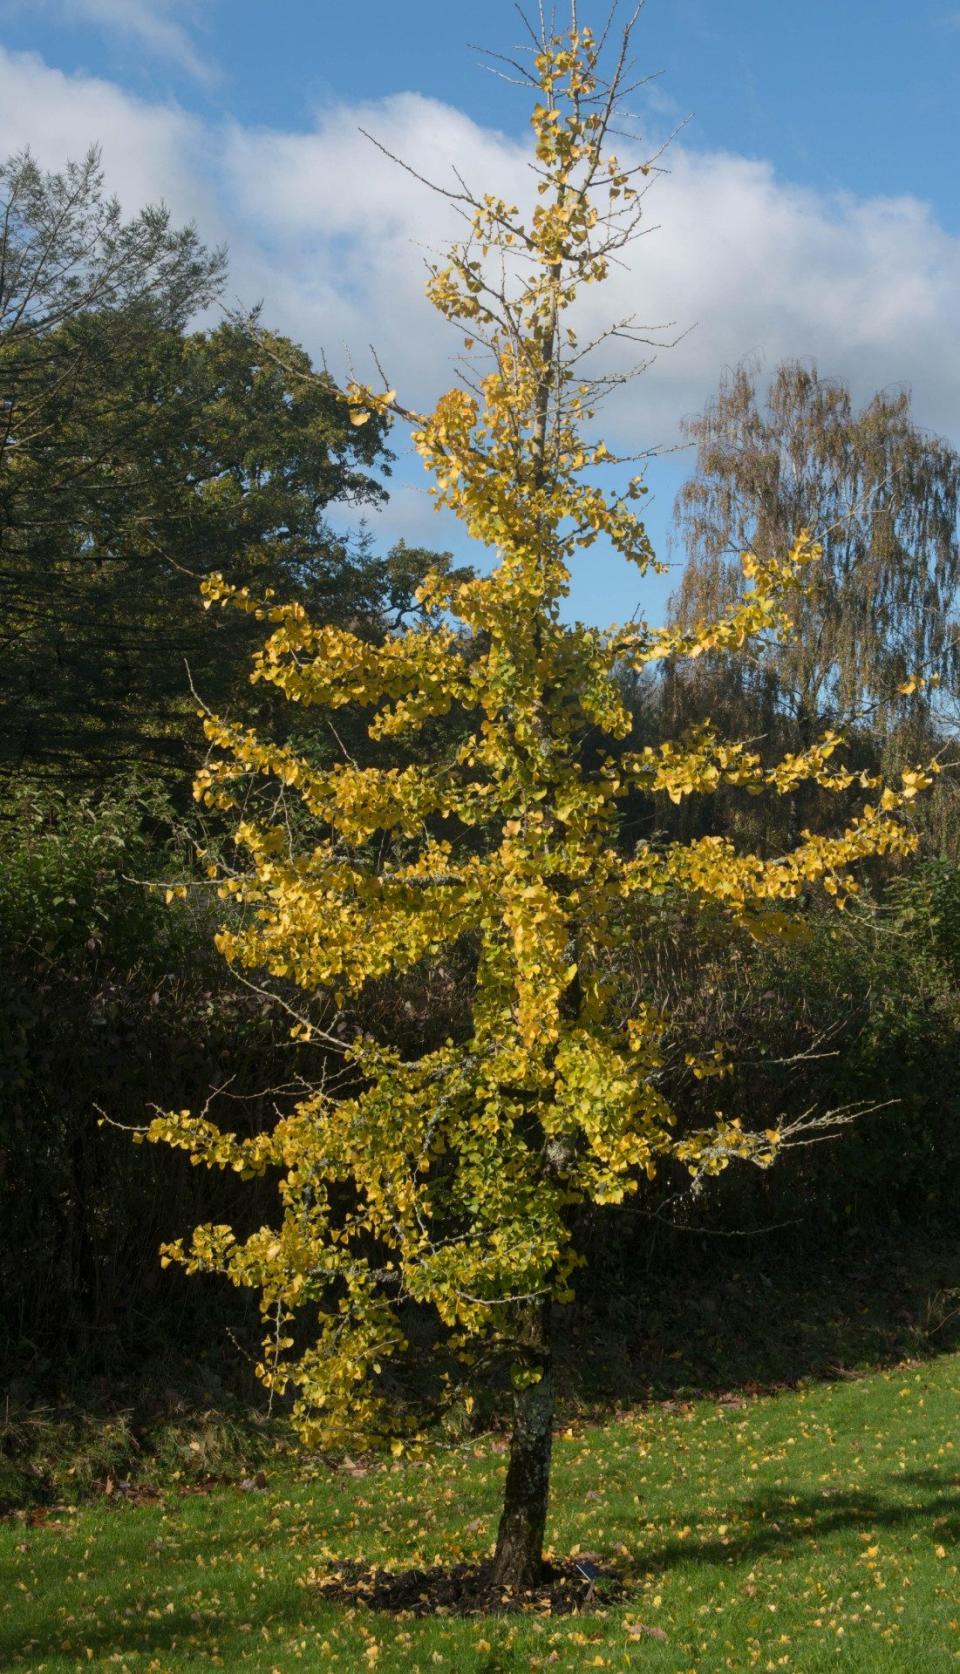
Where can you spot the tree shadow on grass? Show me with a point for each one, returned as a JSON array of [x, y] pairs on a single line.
[[778, 1521], [182, 1630], [233, 1632]]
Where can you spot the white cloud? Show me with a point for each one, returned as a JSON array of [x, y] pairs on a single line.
[[332, 236], [152, 24], [866, 287], [151, 152], [349, 232], [754, 265]]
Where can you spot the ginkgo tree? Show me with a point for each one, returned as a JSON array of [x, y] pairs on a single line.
[[443, 1184]]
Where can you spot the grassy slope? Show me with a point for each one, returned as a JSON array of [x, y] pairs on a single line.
[[817, 1529]]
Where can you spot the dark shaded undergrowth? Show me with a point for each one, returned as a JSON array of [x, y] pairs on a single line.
[[725, 1327]]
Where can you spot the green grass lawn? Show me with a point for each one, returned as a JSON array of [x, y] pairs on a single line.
[[816, 1529]]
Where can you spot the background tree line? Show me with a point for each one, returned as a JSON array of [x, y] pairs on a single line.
[[141, 452]]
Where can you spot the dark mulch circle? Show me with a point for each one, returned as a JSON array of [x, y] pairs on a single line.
[[568, 1586]]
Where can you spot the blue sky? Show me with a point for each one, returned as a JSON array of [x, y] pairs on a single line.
[[812, 208], [855, 94]]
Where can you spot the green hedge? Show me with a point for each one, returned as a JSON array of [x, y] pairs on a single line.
[[112, 1001]]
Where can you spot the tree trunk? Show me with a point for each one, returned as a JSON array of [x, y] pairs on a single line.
[[518, 1562]]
